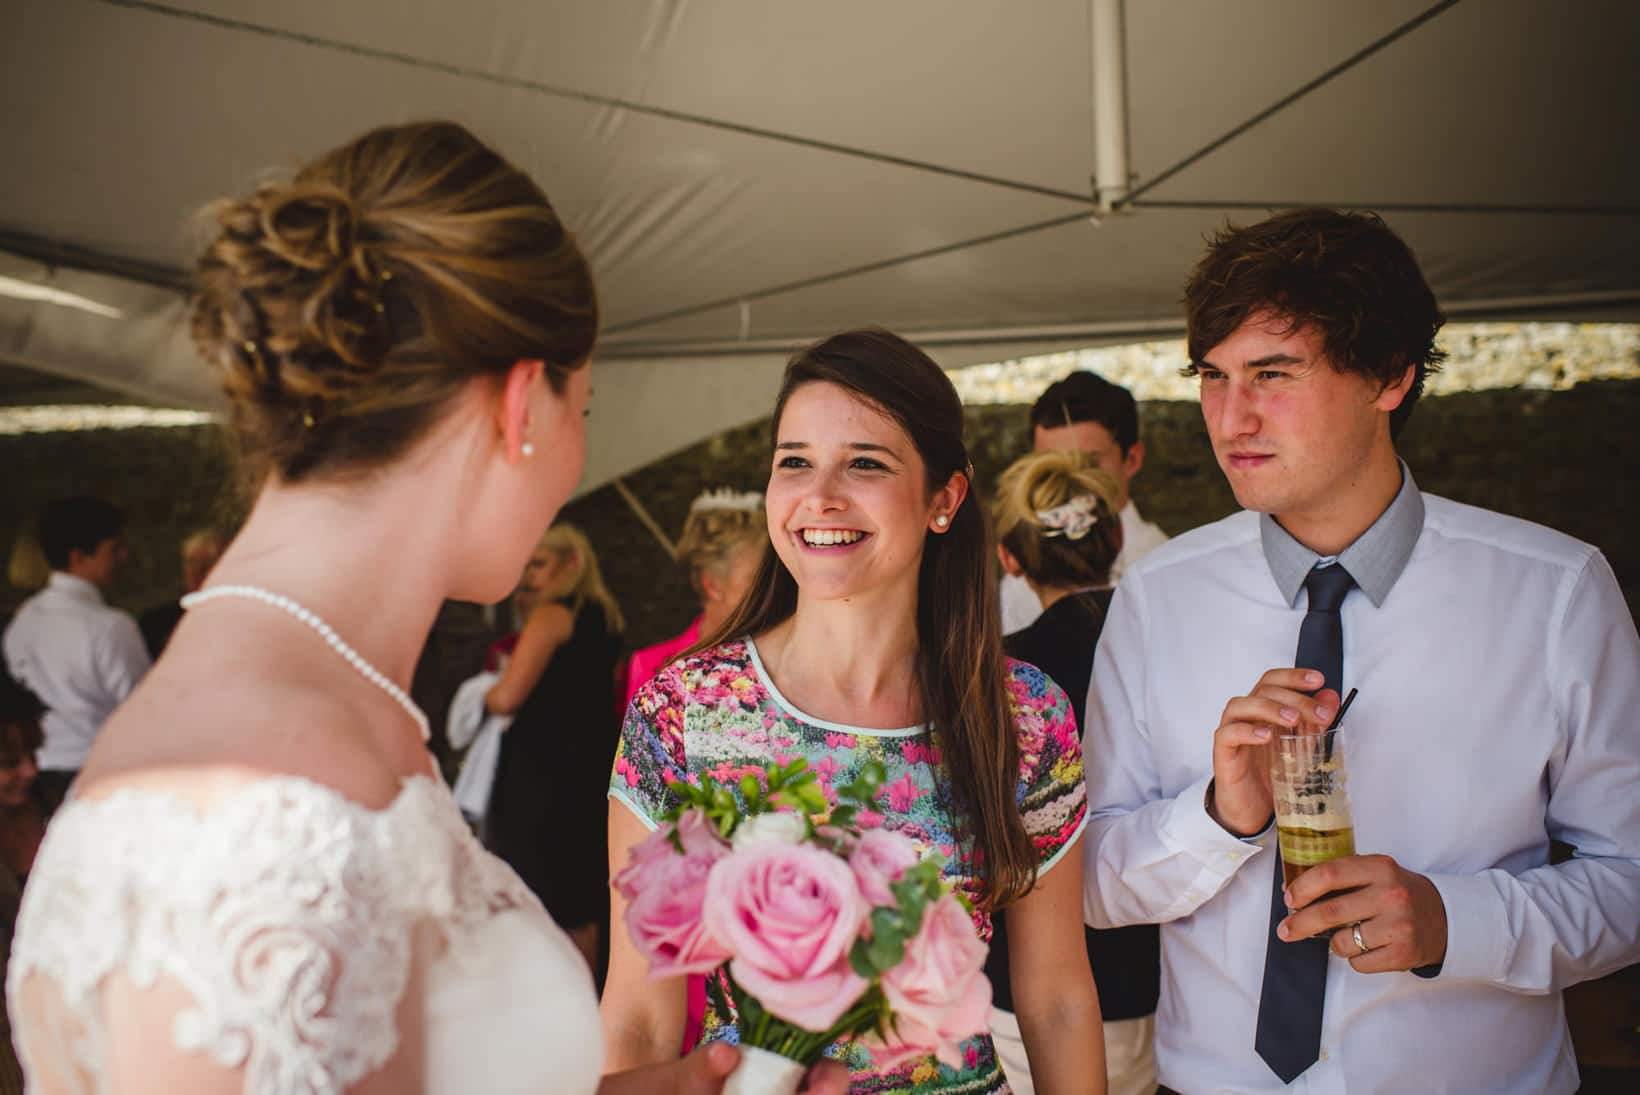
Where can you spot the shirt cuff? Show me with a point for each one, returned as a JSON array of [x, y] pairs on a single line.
[[1477, 929], [1189, 828]]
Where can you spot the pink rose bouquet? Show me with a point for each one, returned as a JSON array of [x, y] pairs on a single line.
[[831, 932]]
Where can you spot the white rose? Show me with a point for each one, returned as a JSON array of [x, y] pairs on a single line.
[[783, 827]]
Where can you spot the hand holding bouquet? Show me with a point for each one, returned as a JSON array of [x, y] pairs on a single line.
[[831, 932]]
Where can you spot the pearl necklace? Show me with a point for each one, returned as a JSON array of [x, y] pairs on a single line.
[[352, 657]]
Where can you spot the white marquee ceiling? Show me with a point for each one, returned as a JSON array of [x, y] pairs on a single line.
[[776, 165]]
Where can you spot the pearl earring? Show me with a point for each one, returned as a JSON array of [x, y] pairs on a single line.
[[942, 520], [528, 449]]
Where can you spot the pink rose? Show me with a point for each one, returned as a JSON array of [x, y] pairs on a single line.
[[789, 914], [879, 859], [666, 894], [939, 993]]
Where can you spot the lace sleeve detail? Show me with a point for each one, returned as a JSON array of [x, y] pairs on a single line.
[[287, 914]]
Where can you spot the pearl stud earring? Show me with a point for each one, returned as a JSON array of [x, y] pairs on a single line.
[[942, 520], [527, 449]]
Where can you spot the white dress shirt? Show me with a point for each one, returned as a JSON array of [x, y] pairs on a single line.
[[1499, 706], [1020, 606], [81, 657]]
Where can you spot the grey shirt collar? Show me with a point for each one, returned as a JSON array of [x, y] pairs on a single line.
[[1375, 560]]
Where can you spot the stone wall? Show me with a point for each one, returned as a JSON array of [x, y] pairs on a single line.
[[1568, 459], [169, 482]]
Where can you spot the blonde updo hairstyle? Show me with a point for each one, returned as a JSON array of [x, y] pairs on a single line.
[[346, 306], [1043, 481], [712, 535]]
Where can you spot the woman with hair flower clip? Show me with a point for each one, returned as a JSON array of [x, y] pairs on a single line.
[[1058, 529], [870, 636]]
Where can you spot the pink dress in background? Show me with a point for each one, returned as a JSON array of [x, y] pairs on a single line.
[[640, 671], [652, 659]]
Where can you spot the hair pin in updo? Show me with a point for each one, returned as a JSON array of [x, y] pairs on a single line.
[[1072, 520], [726, 498]]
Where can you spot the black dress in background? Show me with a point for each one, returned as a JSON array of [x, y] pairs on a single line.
[[1126, 961], [548, 818]]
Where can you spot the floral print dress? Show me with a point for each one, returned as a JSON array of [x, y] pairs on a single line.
[[718, 713]]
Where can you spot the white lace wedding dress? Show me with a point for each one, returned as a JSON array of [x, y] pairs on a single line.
[[291, 917]]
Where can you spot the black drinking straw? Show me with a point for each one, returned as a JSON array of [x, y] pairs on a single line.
[[1343, 707], [1338, 718]]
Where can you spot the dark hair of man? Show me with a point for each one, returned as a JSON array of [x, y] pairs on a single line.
[[960, 668], [20, 712], [1346, 276], [76, 524], [1088, 397]]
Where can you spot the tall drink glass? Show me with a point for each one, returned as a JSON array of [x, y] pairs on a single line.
[[1308, 782]]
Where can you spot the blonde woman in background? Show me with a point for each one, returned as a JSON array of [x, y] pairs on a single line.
[[559, 689], [1059, 530], [721, 545], [27, 568]]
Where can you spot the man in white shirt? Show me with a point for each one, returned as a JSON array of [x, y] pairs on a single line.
[[81, 657], [1086, 413], [1498, 671]]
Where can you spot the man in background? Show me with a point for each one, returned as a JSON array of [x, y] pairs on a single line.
[[1086, 413], [200, 551], [67, 646]]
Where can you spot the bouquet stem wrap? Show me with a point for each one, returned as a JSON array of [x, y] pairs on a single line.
[[763, 1072]]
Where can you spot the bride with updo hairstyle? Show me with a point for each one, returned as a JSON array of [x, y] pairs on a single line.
[[258, 883]]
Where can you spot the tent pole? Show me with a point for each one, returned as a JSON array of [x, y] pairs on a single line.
[[1110, 129], [643, 517]]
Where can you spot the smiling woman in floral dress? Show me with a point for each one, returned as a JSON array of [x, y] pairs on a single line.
[[870, 634]]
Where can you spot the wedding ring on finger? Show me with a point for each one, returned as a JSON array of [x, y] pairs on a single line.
[[1360, 944]]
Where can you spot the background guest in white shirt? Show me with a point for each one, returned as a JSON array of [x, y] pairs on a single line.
[[1499, 678], [1086, 413], [80, 656]]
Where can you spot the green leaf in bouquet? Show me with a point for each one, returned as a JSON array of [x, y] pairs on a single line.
[[751, 788], [887, 944], [842, 816], [924, 875], [912, 898], [813, 798], [885, 952], [860, 961]]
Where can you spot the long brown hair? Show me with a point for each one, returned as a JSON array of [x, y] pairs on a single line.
[[960, 670]]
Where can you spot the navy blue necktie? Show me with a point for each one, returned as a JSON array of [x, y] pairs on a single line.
[[1295, 974]]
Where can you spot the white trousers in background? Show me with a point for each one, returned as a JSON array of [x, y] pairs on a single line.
[[1130, 1054]]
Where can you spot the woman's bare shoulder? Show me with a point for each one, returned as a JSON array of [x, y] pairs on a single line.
[[203, 735]]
